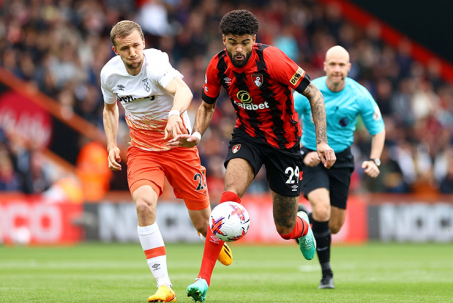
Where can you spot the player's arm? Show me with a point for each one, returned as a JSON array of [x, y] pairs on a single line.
[[202, 121], [372, 118], [209, 96], [111, 117], [325, 153], [377, 145], [183, 96]]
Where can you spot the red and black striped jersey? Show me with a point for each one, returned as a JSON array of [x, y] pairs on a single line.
[[261, 93]]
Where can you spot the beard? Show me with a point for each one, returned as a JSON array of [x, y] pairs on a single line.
[[239, 63], [134, 65]]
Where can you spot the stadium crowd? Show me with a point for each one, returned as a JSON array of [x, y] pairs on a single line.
[[61, 46]]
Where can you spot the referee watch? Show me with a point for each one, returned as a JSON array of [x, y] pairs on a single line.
[[376, 161]]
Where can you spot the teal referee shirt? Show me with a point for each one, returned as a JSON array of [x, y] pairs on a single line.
[[342, 110]]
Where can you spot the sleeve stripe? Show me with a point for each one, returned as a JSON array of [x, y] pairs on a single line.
[[207, 99], [303, 84]]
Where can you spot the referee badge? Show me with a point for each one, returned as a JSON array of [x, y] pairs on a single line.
[[257, 79], [236, 148]]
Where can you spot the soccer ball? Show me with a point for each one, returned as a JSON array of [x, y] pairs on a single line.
[[229, 221]]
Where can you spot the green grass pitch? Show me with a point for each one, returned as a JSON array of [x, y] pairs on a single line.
[[118, 273]]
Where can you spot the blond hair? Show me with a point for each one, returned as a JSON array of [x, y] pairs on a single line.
[[123, 29]]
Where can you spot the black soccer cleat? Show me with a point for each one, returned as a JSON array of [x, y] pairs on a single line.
[[326, 282], [301, 207]]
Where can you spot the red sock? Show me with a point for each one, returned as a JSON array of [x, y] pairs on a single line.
[[212, 248], [300, 230], [230, 196]]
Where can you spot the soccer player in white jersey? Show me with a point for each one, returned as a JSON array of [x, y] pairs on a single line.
[[155, 99]]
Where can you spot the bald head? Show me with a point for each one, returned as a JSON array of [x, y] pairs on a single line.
[[337, 67], [337, 52]]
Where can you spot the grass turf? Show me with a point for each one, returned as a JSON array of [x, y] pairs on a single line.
[[118, 273]]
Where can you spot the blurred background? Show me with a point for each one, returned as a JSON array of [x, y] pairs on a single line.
[[55, 185]]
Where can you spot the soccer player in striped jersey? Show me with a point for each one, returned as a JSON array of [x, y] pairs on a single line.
[[259, 80]]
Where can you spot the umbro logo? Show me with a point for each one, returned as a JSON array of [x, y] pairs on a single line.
[[156, 266], [120, 87], [215, 240]]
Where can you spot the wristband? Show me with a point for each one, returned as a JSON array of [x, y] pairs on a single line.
[[174, 112], [197, 135]]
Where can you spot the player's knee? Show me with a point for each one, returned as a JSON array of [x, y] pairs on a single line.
[[144, 206], [321, 213]]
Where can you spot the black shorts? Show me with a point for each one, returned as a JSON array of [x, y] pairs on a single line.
[[283, 167], [336, 179]]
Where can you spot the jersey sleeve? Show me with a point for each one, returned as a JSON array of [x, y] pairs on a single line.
[[371, 115], [301, 104], [162, 71], [108, 95], [285, 70], [211, 87]]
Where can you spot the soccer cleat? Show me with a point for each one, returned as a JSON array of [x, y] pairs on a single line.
[[163, 294], [197, 291], [326, 282], [301, 207], [307, 244], [226, 255]]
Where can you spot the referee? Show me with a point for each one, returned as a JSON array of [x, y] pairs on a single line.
[[327, 189]]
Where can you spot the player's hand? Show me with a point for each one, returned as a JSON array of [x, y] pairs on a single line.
[[184, 140], [326, 155], [370, 169], [174, 127], [114, 159], [312, 159]]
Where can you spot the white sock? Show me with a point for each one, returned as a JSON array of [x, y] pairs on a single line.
[[154, 248]]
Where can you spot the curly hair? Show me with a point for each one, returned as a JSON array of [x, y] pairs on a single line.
[[239, 23]]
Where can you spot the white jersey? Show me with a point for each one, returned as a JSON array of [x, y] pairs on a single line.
[[144, 98]]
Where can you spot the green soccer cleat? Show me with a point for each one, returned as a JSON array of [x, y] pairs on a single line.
[[197, 291], [307, 244]]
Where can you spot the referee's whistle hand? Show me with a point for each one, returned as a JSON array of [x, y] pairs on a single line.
[[326, 155]]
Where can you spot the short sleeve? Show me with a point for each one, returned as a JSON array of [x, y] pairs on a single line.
[[108, 95], [211, 87], [371, 115], [285, 70], [162, 70]]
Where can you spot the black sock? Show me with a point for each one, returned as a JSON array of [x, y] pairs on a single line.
[[323, 237]]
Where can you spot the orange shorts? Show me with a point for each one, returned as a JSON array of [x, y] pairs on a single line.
[[182, 168]]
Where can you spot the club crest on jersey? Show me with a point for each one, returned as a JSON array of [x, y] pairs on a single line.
[[257, 79], [146, 85], [236, 148]]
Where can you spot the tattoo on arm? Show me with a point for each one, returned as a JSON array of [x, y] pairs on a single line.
[[318, 111], [284, 210]]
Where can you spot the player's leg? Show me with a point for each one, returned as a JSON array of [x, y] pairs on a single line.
[[337, 217], [316, 186], [242, 161], [320, 201], [145, 180], [283, 175], [238, 176]]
